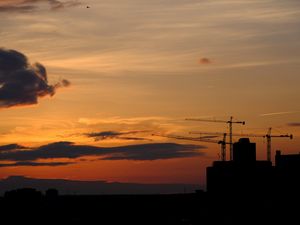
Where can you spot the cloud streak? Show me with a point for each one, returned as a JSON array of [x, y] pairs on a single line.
[[33, 5], [144, 152], [22, 83], [107, 135], [11, 147], [294, 124], [34, 164], [279, 113]]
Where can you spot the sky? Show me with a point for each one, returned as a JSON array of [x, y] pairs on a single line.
[[85, 84]]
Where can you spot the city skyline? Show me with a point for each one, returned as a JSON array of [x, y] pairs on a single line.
[[136, 68]]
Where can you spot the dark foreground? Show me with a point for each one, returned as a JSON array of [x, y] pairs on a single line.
[[199, 208]]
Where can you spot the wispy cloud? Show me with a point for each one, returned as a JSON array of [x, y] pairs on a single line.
[[33, 5], [16, 8], [130, 125], [123, 135], [254, 64], [120, 120], [294, 124], [279, 113]]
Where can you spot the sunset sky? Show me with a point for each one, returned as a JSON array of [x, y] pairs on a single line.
[[122, 70]]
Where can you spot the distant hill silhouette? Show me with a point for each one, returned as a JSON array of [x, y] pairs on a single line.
[[72, 187]]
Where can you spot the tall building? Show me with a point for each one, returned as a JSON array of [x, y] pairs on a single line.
[[244, 151], [243, 174]]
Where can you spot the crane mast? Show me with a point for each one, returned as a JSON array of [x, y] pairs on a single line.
[[223, 142], [230, 122], [268, 136]]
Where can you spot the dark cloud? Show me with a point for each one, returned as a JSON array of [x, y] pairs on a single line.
[[205, 61], [11, 147], [135, 139], [104, 135], [294, 124], [22, 83], [69, 150], [35, 164], [32, 5], [155, 152]]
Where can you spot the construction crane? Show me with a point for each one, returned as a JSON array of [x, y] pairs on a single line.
[[268, 136], [213, 135], [223, 142], [230, 122]]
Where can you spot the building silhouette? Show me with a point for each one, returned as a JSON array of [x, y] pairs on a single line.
[[246, 175], [287, 169]]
